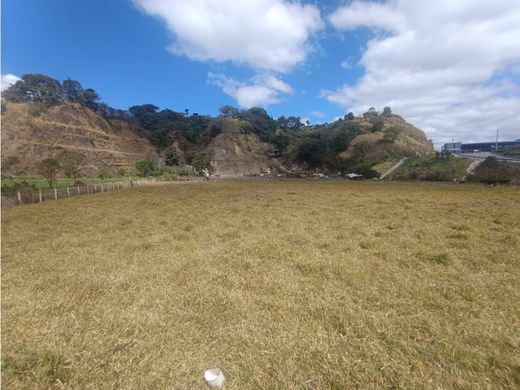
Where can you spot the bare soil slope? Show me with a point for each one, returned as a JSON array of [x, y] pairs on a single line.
[[233, 153], [32, 134]]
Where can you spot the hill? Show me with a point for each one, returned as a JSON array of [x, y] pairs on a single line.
[[42, 117], [30, 134]]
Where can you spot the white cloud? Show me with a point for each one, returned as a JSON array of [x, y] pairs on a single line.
[[262, 90], [318, 114], [447, 66], [269, 35], [8, 80], [346, 64]]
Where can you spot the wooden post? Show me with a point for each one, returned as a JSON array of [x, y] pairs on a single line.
[[55, 194], [87, 190], [19, 197], [68, 192], [102, 188], [79, 192], [40, 195]]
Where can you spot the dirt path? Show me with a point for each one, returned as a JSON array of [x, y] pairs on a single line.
[[393, 169], [471, 168]]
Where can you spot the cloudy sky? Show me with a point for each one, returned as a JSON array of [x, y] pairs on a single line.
[[450, 67]]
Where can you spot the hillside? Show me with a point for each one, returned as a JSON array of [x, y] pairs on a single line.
[[42, 117], [31, 133]]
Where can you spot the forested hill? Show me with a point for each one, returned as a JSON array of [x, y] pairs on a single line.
[[42, 117]]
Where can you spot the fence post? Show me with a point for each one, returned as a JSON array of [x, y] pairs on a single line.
[[40, 195], [79, 192], [55, 194], [87, 190], [68, 192], [19, 197]]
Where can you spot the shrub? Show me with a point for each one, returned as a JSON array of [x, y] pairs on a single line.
[[492, 171], [102, 173]]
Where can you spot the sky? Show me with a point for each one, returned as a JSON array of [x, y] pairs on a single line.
[[452, 68]]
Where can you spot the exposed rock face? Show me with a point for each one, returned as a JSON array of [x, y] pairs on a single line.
[[32, 135], [235, 154]]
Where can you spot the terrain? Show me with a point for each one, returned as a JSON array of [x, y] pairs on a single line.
[[31, 133], [281, 284], [43, 118]]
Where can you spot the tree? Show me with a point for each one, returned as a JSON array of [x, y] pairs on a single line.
[[229, 111], [289, 123], [35, 88], [260, 122], [145, 167], [350, 116], [48, 168], [378, 125], [72, 90], [387, 111], [201, 162], [370, 113], [313, 152], [88, 98], [70, 161], [171, 157]]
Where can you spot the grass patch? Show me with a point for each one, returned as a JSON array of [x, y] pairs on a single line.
[[335, 285], [432, 168], [63, 182]]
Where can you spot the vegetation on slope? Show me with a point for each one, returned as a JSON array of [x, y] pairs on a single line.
[[180, 138], [492, 171], [436, 167]]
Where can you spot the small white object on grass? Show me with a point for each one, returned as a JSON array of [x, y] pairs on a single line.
[[214, 377]]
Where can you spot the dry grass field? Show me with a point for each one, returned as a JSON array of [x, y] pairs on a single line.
[[281, 284]]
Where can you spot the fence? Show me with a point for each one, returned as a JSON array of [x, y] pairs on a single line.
[[28, 196]]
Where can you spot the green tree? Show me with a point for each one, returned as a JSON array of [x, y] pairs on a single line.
[[88, 98], [260, 123], [229, 111], [72, 89], [350, 116], [145, 167], [35, 88], [70, 161], [313, 152], [387, 111], [201, 162], [171, 157], [48, 168], [371, 113]]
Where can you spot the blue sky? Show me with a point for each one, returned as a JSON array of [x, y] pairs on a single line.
[[452, 70]]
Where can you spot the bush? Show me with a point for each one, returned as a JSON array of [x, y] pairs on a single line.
[[121, 172], [492, 171], [145, 167], [168, 176], [102, 173]]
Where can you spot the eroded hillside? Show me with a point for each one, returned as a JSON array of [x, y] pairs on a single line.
[[31, 133]]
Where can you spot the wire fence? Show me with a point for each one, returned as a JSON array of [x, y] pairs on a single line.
[[30, 196]]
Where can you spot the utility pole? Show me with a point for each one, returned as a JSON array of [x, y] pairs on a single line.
[[496, 142]]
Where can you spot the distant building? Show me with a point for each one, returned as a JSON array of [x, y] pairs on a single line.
[[454, 147], [459, 147]]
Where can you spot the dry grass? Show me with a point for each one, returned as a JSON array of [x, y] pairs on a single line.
[[280, 284]]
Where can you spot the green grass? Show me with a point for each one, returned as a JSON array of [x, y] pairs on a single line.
[[432, 168], [283, 284], [64, 182]]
